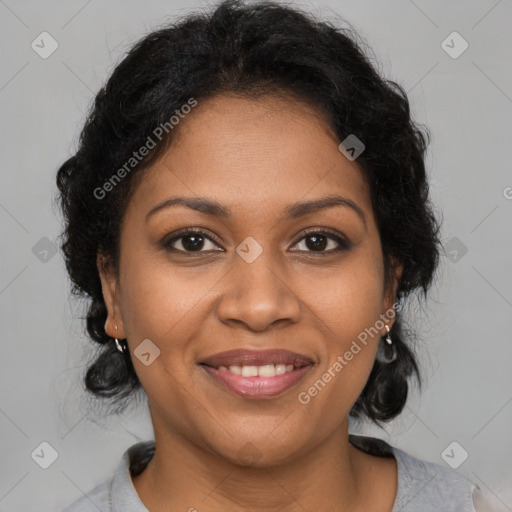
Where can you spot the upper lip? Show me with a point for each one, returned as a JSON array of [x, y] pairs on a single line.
[[242, 357]]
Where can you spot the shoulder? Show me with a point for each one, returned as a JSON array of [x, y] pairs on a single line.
[[118, 494], [442, 486], [423, 484]]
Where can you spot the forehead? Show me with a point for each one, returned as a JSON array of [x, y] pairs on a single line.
[[252, 154]]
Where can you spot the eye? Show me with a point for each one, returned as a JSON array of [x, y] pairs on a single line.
[[318, 241], [190, 240]]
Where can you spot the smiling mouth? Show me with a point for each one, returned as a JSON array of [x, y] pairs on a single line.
[[256, 374]]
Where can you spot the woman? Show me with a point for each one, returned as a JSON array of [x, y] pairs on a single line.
[[247, 211]]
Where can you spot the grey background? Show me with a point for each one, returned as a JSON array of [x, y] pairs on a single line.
[[466, 349]]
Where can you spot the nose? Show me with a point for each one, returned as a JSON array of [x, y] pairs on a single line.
[[258, 296]]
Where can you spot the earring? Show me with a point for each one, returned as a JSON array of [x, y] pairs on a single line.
[[388, 337], [120, 347], [386, 352]]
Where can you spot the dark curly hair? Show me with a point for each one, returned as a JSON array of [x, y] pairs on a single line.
[[251, 50]]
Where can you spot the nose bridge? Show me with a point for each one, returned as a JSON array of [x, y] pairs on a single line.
[[257, 294], [260, 273]]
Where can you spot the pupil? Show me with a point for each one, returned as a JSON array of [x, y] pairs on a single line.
[[193, 242], [319, 242]]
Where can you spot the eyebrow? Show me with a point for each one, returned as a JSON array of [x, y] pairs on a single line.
[[293, 211]]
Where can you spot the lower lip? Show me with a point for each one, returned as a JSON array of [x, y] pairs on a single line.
[[256, 387]]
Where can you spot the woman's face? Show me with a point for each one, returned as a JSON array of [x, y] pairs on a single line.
[[259, 282]]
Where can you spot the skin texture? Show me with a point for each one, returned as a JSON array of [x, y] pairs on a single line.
[[255, 157]]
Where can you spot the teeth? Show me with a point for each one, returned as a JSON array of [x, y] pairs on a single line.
[[266, 370], [236, 369], [249, 371], [280, 369]]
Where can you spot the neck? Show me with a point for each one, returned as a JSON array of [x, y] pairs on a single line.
[[184, 476]]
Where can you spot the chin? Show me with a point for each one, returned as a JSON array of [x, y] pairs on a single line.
[[260, 451]]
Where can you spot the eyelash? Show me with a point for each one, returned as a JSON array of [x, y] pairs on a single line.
[[343, 244]]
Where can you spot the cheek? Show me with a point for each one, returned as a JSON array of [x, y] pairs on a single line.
[[160, 305], [159, 301], [346, 310], [349, 298], [164, 304]]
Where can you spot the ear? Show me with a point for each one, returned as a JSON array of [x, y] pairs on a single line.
[[110, 290], [390, 293]]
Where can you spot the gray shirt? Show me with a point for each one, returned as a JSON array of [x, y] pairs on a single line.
[[422, 486]]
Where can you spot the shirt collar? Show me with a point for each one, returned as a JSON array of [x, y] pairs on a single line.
[[123, 496]]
